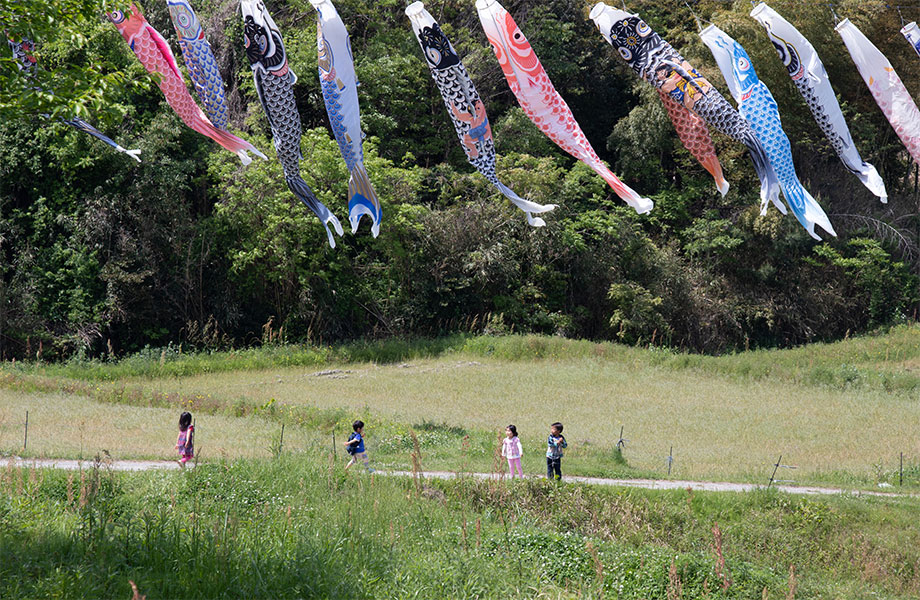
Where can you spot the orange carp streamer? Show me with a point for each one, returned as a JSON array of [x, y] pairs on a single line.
[[694, 135]]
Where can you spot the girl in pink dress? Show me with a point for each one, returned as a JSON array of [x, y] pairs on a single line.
[[511, 449], [185, 442]]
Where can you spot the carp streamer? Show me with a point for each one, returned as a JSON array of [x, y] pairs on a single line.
[[22, 54], [810, 78], [758, 107], [540, 100], [689, 99], [886, 87], [464, 105], [340, 92], [199, 59], [153, 52], [275, 87]]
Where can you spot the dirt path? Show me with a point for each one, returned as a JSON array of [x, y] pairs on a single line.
[[650, 484]]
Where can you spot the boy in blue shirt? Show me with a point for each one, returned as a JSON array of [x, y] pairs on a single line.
[[554, 445], [355, 446]]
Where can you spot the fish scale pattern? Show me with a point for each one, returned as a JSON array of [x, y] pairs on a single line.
[[659, 64], [199, 59], [695, 137], [759, 109], [540, 100], [153, 52], [275, 87], [464, 105]]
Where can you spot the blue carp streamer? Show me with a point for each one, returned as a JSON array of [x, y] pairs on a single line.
[[810, 78], [658, 63], [199, 59], [275, 87], [464, 105], [340, 92], [757, 106], [22, 54]]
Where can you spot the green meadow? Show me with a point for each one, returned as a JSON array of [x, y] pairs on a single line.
[[266, 516], [841, 413]]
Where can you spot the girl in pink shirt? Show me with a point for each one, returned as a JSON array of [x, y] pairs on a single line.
[[511, 449]]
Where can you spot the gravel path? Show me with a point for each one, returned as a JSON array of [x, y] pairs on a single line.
[[650, 484]]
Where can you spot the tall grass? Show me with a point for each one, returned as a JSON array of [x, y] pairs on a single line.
[[303, 528]]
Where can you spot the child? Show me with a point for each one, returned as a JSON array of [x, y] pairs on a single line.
[[185, 444], [355, 446], [555, 443], [511, 449]]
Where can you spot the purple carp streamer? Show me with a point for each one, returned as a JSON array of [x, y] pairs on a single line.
[[275, 87], [659, 64], [912, 33], [758, 107], [340, 91], [22, 54], [540, 100], [199, 59], [886, 87], [810, 78], [464, 105]]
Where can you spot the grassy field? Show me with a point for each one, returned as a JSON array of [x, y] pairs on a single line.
[[842, 413], [249, 523], [290, 528]]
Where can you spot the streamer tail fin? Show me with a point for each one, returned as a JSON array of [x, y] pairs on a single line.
[[300, 189], [769, 183], [226, 139], [627, 194], [872, 180], [362, 200], [529, 208], [711, 163], [813, 213]]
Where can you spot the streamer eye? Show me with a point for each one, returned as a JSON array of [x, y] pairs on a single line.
[[433, 56], [643, 29], [116, 16], [184, 20], [625, 53], [743, 64]]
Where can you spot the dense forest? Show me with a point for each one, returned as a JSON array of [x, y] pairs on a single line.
[[101, 256]]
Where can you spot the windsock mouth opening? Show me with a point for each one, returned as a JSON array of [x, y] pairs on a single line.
[[762, 6], [416, 8], [909, 27], [317, 3], [482, 4], [842, 24], [706, 29], [597, 11]]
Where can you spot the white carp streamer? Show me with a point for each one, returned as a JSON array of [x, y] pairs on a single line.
[[340, 92], [810, 78]]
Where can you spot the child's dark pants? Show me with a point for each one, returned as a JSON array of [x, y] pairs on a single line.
[[553, 465]]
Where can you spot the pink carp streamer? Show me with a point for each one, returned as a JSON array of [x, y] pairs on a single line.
[[694, 134], [154, 53], [540, 100], [886, 87]]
